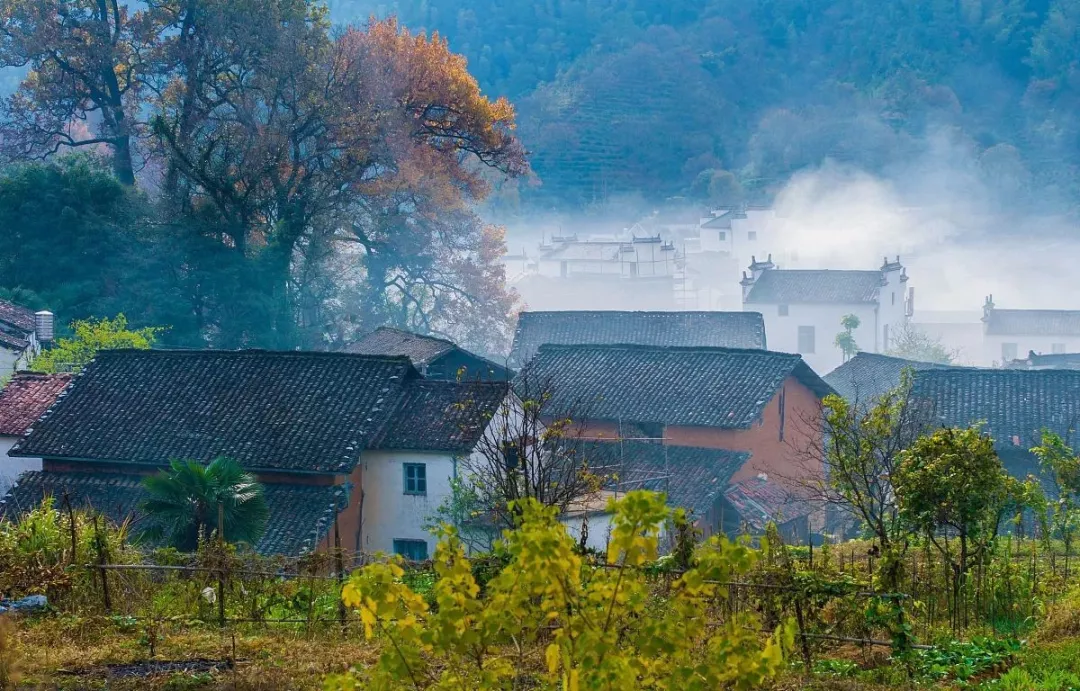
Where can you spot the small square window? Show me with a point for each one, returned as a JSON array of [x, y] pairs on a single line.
[[413, 550], [415, 478], [751, 236], [782, 310]]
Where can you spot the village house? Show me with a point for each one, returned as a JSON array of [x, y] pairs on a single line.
[[803, 308], [709, 329], [435, 358], [865, 377], [1013, 406], [754, 401], [23, 332], [358, 445], [22, 401], [692, 478], [1046, 361], [1009, 333]]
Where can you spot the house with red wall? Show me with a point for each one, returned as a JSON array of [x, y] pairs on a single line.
[[760, 402]]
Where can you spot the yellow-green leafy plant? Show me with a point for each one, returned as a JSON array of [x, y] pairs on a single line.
[[552, 620]]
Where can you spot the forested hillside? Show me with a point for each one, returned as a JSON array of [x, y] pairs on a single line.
[[618, 96]]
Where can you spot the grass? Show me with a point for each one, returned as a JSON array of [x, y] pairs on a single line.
[[66, 652]]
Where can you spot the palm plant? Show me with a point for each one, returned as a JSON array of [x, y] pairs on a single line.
[[185, 499]]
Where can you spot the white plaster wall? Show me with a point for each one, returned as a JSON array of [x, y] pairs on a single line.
[[782, 333], [11, 468], [389, 513], [599, 529], [1042, 345]]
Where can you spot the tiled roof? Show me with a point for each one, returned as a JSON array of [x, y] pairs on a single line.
[[708, 387], [795, 286], [389, 341], [441, 416], [1032, 322], [13, 342], [267, 410], [17, 316], [760, 500], [709, 329], [868, 375], [26, 397], [691, 477], [1015, 405], [435, 357], [300, 515]]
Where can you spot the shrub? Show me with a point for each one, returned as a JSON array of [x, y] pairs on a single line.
[[593, 627]]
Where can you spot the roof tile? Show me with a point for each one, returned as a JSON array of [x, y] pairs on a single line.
[[796, 286], [26, 398]]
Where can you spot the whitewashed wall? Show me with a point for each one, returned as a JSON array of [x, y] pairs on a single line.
[[389, 513], [1042, 345], [11, 468], [599, 529]]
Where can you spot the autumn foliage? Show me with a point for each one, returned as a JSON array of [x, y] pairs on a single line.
[[550, 619]]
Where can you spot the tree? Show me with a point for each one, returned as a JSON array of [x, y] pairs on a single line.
[[951, 485], [529, 451], [89, 337], [911, 343], [595, 624], [185, 500], [86, 59], [1063, 466], [845, 340], [66, 234], [853, 471]]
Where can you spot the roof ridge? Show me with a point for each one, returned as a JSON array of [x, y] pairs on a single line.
[[635, 312], [252, 351], [671, 348]]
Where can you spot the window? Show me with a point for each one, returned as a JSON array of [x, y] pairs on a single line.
[[415, 478], [511, 455], [1008, 352], [722, 236], [1057, 348], [752, 236], [894, 297], [885, 335], [782, 310], [413, 550], [806, 340]]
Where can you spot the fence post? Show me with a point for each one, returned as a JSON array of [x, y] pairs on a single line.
[[103, 562], [340, 572], [71, 526], [221, 564], [802, 634]]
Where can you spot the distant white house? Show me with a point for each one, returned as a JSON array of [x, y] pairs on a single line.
[[22, 333], [1010, 334], [803, 308]]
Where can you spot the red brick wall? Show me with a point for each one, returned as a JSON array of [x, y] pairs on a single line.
[[769, 454]]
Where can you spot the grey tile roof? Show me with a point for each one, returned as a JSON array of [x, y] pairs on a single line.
[[437, 358], [1032, 322], [389, 341], [300, 515], [12, 342], [441, 416], [16, 316], [868, 375], [760, 500], [1047, 361], [708, 387], [692, 477], [309, 412], [1015, 405], [708, 329], [796, 286]]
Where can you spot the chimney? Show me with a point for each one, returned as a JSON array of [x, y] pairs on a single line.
[[43, 326]]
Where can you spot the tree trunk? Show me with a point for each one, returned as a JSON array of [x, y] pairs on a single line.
[[123, 167]]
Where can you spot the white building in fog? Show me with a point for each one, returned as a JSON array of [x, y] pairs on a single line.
[[803, 308], [1012, 334]]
